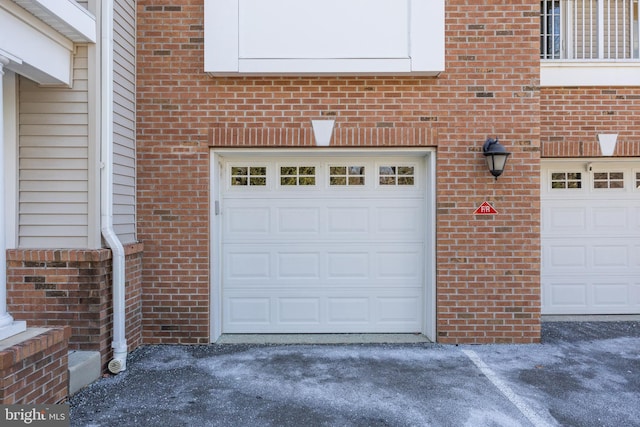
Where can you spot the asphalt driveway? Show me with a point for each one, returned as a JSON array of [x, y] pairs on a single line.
[[584, 374]]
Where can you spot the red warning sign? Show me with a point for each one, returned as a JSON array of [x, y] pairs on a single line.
[[485, 209]]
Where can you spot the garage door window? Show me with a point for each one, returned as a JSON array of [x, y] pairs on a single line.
[[346, 175], [608, 180], [638, 180], [396, 175], [248, 176], [297, 175], [566, 180]]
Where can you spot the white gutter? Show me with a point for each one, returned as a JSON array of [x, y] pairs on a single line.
[[119, 344]]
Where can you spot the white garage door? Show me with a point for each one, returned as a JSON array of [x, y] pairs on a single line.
[[323, 245], [590, 237]]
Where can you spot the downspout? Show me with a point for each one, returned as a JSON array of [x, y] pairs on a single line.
[[119, 344]]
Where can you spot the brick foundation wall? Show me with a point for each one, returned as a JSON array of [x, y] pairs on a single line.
[[73, 288], [572, 118], [34, 370], [488, 285]]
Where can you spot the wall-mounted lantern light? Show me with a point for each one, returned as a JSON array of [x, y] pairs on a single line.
[[496, 156]]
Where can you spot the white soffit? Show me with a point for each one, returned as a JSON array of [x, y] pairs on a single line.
[[600, 73], [65, 16], [324, 37], [42, 39]]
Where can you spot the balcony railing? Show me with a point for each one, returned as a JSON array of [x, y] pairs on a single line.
[[589, 30]]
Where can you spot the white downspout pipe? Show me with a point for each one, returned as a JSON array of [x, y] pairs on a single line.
[[119, 344]]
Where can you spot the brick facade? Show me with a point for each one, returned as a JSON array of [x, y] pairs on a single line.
[[572, 118], [488, 266], [488, 287], [34, 370], [50, 288]]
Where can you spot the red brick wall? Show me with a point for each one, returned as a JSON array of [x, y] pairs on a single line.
[[35, 371], [572, 118], [73, 288], [488, 281], [133, 295], [488, 268]]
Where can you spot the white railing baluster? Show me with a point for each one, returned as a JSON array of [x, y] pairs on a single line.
[[599, 29], [636, 28], [616, 34], [624, 29], [589, 29]]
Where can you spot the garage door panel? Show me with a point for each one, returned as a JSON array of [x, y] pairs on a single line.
[[399, 264], [323, 311], [590, 235], [561, 256], [405, 219], [558, 295], [299, 310], [610, 219], [366, 265], [592, 256], [285, 220], [248, 265], [297, 265], [350, 264], [298, 220], [248, 310], [342, 220], [611, 294], [351, 310], [254, 220], [600, 295], [399, 310], [323, 258], [610, 255], [564, 219]]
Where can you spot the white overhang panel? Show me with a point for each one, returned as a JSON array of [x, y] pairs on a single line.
[[589, 73], [324, 37], [40, 46]]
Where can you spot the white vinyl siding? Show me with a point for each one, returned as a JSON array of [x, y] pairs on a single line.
[[53, 162], [124, 131]]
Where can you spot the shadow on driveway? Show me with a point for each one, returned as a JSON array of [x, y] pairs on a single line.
[[583, 374]]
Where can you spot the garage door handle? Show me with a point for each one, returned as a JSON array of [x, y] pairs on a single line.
[[216, 207]]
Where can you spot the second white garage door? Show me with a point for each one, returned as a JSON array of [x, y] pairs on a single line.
[[591, 237], [323, 245]]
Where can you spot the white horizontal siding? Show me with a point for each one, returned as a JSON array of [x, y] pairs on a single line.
[[53, 162], [124, 126]]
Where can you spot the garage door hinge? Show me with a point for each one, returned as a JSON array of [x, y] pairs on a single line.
[[216, 207]]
